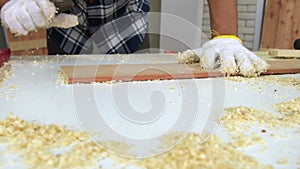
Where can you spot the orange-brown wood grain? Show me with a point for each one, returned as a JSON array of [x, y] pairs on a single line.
[[142, 72], [32, 44], [285, 24], [296, 22], [270, 23], [281, 24]]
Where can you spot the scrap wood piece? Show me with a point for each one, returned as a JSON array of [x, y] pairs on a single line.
[[290, 53], [133, 72], [167, 71]]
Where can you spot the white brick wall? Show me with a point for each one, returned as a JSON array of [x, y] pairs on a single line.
[[246, 22]]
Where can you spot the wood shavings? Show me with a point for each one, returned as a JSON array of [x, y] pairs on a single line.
[[284, 81], [242, 118], [8, 90], [52, 146], [62, 78], [5, 73], [188, 57], [171, 139], [239, 120], [116, 147], [35, 143], [291, 106], [245, 116], [282, 161], [63, 20], [271, 79], [243, 140], [191, 154], [290, 111]]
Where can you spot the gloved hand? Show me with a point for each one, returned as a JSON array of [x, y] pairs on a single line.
[[23, 16], [228, 55]]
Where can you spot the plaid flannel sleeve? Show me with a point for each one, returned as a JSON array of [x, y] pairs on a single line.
[[72, 40], [124, 34]]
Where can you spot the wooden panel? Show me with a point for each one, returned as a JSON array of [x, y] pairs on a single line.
[[27, 44], [284, 32], [39, 51], [281, 24], [270, 23], [296, 22], [141, 72], [32, 44]]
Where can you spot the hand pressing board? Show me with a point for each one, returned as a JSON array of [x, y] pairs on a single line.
[[143, 72]]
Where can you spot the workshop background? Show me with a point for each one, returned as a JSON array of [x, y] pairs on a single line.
[[262, 24], [92, 111]]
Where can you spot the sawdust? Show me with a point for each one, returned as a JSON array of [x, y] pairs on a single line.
[[191, 154], [63, 20], [284, 81], [282, 161], [241, 140], [270, 79], [8, 90], [289, 111], [5, 73], [53, 146], [188, 57], [49, 146], [238, 122], [62, 79]]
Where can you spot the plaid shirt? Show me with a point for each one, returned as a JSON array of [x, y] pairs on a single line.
[[116, 26]]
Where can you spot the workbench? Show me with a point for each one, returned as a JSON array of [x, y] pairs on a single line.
[[35, 93]]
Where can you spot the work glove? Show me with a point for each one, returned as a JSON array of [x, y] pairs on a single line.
[[227, 54], [23, 16]]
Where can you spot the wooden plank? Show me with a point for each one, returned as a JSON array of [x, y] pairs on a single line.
[[133, 72], [285, 26], [296, 24], [32, 44], [28, 44], [281, 24], [39, 34], [270, 23], [141, 72], [284, 53], [39, 51]]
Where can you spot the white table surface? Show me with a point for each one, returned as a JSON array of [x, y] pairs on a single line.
[[34, 93]]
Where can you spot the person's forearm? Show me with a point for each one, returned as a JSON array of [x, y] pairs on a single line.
[[223, 16], [2, 2]]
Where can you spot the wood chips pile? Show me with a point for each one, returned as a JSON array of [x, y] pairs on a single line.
[[48, 146], [271, 79], [52, 146], [238, 121]]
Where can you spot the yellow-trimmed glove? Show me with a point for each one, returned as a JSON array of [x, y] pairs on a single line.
[[226, 53]]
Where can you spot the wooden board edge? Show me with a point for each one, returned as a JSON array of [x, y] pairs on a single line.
[[290, 53]]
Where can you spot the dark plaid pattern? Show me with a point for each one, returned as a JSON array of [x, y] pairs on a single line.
[[116, 26]]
